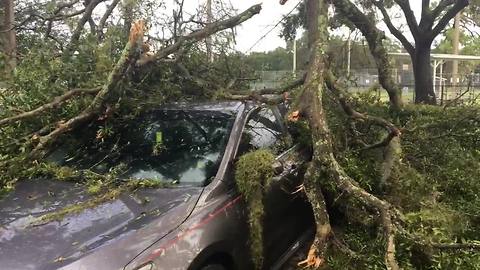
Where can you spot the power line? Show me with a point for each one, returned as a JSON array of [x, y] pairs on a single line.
[[273, 28]]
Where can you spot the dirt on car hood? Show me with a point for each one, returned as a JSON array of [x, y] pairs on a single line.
[[107, 236]]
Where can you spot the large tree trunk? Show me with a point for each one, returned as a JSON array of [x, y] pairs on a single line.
[[311, 107], [422, 71], [375, 39], [9, 42]]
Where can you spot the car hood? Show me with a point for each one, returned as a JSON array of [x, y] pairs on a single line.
[[106, 236]]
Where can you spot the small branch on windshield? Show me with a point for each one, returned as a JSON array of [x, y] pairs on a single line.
[[57, 101]]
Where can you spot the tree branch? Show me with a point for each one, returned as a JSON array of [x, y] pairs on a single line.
[[52, 105], [427, 19], [276, 91], [375, 39], [386, 211], [449, 15], [462, 246], [106, 15], [386, 18], [203, 33], [297, 83], [409, 16], [340, 93], [128, 58], [59, 9], [270, 99], [441, 7], [87, 15]]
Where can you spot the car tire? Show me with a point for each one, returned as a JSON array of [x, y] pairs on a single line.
[[214, 267]]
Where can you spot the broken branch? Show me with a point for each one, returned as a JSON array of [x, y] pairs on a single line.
[[130, 54], [341, 94]]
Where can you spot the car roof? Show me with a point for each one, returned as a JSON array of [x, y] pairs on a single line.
[[222, 106]]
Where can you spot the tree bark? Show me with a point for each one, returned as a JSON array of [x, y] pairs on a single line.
[[311, 106], [422, 72], [456, 50]]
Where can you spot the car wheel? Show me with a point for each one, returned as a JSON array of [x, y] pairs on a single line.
[[214, 267]]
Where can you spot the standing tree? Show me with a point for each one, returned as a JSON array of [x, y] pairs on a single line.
[[347, 10], [433, 21], [349, 14], [8, 40]]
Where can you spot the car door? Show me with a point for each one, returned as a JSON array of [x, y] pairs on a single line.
[[287, 214]]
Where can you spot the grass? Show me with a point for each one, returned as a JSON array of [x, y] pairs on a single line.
[[409, 96]]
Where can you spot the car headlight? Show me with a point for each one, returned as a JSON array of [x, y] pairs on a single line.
[[147, 266]]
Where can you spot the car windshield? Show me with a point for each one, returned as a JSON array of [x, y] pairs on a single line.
[[178, 146]]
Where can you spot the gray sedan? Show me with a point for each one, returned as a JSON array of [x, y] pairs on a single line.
[[197, 221]]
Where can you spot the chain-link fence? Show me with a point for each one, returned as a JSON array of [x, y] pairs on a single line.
[[272, 79], [462, 88], [447, 86]]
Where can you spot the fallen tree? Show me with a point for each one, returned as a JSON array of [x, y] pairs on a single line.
[[325, 174], [334, 188], [37, 140]]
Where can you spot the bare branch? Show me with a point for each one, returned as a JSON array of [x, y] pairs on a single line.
[[276, 91], [441, 7], [297, 83], [106, 15], [87, 15], [386, 18], [59, 9], [267, 99], [427, 19], [409, 16], [449, 15], [203, 33]]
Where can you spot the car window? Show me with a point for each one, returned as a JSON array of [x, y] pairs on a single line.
[[171, 145], [262, 130]]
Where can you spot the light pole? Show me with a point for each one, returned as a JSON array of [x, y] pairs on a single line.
[[294, 70]]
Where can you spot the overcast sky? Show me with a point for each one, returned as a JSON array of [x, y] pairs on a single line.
[[272, 12]]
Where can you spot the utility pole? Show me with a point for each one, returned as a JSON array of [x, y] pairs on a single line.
[[456, 49], [209, 38], [349, 54], [294, 58]]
